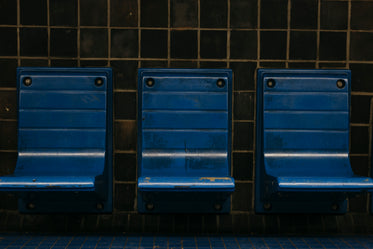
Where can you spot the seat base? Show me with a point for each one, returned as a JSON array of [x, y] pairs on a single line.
[[325, 184], [47, 183], [187, 184]]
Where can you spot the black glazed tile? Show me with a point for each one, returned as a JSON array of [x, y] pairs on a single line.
[[125, 135], [327, 65], [8, 105], [166, 223], [358, 203], [303, 45], [125, 105], [124, 74], [214, 14], [34, 63], [181, 226], [226, 224], [154, 13], [183, 64], [361, 15], [360, 165], [361, 76], [93, 63], [8, 12], [8, 135], [63, 13], [125, 167], [273, 45], [243, 106], [243, 166], [33, 12], [8, 41], [360, 109], [124, 197], [361, 46], [303, 14], [302, 65], [124, 43], [210, 222], [272, 64], [93, 43], [155, 64], [240, 222], [151, 223], [244, 14], [334, 15], [34, 41], [273, 14], [8, 72], [123, 13], [213, 64], [359, 136], [213, 44], [154, 44], [64, 63], [184, 13], [136, 223], [243, 45], [242, 197], [332, 45], [93, 13], [184, 44], [63, 42], [243, 136], [243, 75], [195, 223]]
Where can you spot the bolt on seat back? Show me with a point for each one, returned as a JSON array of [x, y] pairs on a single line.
[[64, 140], [303, 141], [184, 140]]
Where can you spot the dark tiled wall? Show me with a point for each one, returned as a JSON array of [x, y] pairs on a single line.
[[239, 34]]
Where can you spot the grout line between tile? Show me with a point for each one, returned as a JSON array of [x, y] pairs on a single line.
[[317, 65], [49, 33], [108, 33], [199, 35], [78, 33], [348, 38], [288, 34], [168, 33], [18, 32]]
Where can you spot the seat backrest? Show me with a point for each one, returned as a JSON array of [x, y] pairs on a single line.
[[63, 118], [305, 120], [184, 122]]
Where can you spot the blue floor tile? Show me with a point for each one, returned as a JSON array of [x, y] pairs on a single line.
[[188, 242]]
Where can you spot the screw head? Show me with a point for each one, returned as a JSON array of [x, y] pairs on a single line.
[[150, 82], [271, 83], [99, 82], [220, 83], [267, 206], [30, 206], [99, 206], [149, 206], [335, 207], [341, 84], [27, 81], [218, 207]]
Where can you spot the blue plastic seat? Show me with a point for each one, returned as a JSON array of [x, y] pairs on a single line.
[[303, 141], [184, 140], [64, 140]]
